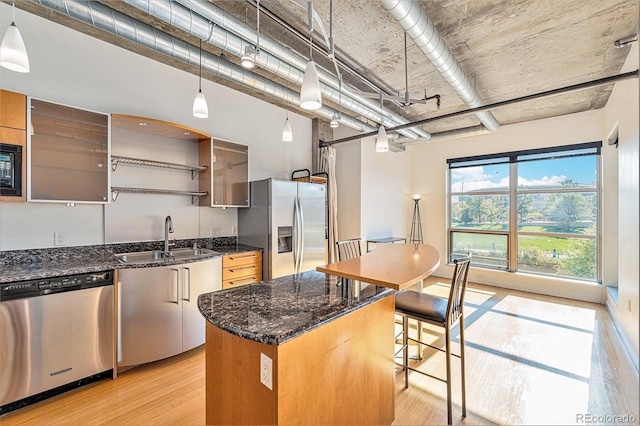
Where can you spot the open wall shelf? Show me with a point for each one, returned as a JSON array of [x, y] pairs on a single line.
[[116, 190], [116, 159]]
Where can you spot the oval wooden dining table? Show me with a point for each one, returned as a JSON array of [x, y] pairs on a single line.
[[395, 266]]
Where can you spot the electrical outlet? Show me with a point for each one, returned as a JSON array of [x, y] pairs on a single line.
[[266, 371], [234, 230], [629, 305], [58, 239]]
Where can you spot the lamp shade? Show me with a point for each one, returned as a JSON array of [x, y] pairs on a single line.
[[13, 53], [248, 60], [310, 95], [382, 143], [200, 108], [287, 133], [334, 121]]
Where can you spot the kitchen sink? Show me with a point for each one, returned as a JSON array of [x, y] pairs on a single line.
[[158, 255]]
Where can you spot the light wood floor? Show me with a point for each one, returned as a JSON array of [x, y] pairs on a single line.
[[530, 360]]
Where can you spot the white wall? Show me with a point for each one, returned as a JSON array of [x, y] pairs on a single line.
[[386, 196], [75, 69], [623, 108], [429, 173], [374, 198]]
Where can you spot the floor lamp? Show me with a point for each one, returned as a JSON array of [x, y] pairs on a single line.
[[416, 226]]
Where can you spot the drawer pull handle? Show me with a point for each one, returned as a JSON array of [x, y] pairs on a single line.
[[243, 257], [243, 268], [245, 281]]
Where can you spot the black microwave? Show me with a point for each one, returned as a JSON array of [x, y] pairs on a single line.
[[10, 170]]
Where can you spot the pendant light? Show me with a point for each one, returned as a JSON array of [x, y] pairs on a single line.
[[310, 94], [287, 133], [382, 141], [248, 60], [13, 52], [200, 108]]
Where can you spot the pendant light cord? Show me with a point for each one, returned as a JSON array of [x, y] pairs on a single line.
[[200, 75], [258, 24], [310, 13], [13, 12]]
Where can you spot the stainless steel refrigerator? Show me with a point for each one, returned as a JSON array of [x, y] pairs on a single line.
[[287, 219]]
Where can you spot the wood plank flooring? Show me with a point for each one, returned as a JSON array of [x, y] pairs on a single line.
[[531, 359]]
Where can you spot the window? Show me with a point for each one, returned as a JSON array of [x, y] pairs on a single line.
[[534, 211]]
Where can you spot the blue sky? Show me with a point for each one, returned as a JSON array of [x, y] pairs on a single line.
[[533, 173]]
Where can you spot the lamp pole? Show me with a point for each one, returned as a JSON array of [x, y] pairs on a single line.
[[416, 225]]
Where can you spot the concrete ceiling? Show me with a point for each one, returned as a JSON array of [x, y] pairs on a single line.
[[509, 48]]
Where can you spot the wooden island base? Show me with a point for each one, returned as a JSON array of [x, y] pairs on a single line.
[[339, 373]]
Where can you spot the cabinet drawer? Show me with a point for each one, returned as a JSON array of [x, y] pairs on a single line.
[[237, 282], [234, 272], [246, 258]]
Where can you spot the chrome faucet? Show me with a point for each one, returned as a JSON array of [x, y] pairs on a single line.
[[168, 229]]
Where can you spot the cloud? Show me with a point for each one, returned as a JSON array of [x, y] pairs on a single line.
[[475, 178], [545, 181]]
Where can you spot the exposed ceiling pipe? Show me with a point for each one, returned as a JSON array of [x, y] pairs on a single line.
[[446, 135], [553, 92], [114, 22], [231, 35], [417, 24]]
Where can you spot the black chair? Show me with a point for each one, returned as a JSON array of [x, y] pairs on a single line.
[[348, 249], [441, 312]]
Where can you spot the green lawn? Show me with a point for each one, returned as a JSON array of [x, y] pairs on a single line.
[[526, 243]]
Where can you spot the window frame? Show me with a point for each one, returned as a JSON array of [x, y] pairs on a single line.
[[513, 158]]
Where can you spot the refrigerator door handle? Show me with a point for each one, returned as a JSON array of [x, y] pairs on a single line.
[[295, 235], [301, 236]]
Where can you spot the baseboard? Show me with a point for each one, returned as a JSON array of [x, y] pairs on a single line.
[[625, 342]]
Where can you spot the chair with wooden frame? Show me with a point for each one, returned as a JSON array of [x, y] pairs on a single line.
[[441, 312], [348, 249]]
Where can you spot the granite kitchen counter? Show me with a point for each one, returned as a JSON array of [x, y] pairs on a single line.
[[278, 310], [21, 265]]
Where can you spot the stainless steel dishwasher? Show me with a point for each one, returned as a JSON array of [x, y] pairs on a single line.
[[55, 334]]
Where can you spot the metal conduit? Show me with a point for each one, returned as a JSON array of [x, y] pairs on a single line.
[[114, 22], [419, 27], [231, 35]]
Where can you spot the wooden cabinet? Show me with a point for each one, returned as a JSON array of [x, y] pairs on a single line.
[[241, 269], [13, 110], [13, 123], [69, 151], [227, 180]]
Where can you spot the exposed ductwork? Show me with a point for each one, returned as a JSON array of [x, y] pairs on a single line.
[[419, 27], [114, 22], [196, 18]]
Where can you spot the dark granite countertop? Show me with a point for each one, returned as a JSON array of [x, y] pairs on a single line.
[[21, 265], [278, 310]]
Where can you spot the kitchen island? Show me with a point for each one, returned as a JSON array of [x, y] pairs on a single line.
[[330, 355]]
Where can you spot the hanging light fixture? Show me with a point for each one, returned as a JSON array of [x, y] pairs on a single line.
[[287, 133], [248, 60], [334, 121], [200, 108], [13, 52], [382, 141], [310, 94]]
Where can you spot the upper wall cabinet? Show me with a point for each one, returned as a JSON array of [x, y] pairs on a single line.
[[13, 146], [13, 110], [228, 176], [68, 154]]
